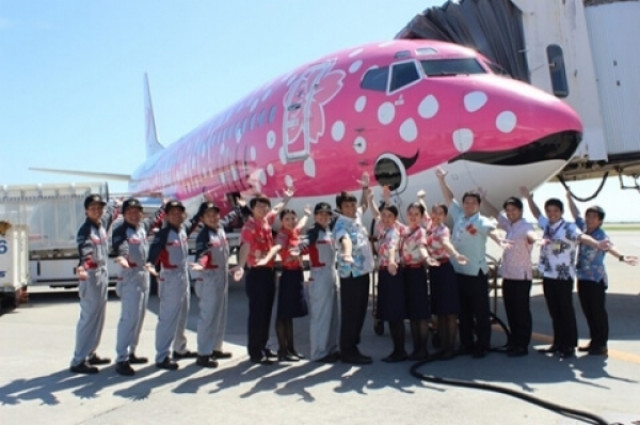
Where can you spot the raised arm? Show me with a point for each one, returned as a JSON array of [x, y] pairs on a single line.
[[444, 187], [575, 212], [375, 212], [532, 205], [288, 194], [364, 182], [303, 220]]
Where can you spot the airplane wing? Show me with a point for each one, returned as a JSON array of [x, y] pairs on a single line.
[[94, 174]]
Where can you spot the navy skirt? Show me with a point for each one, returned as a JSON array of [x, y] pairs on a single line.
[[444, 289], [391, 305], [291, 300], [417, 293]]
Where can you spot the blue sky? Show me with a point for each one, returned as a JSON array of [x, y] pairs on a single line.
[[71, 73]]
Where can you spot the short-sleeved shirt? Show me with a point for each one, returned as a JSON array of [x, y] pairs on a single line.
[[590, 264], [388, 238], [361, 251], [469, 236], [516, 260], [413, 240], [289, 240], [258, 235], [558, 255], [435, 241]]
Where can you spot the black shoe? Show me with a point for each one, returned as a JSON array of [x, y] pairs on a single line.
[[419, 355], [287, 357], [133, 359], [95, 360], [584, 348], [567, 352], [446, 355], [206, 361], [186, 355], [84, 368], [465, 351], [330, 358], [479, 353], [518, 352], [549, 350], [356, 359], [221, 354], [598, 351], [167, 364], [300, 356], [264, 360], [124, 369], [396, 357], [268, 353]]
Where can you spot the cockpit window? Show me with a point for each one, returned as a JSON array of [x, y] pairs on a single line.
[[403, 74], [376, 79], [447, 67]]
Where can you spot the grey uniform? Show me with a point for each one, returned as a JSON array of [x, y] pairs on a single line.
[[93, 250], [131, 243], [212, 288], [170, 249], [323, 305]]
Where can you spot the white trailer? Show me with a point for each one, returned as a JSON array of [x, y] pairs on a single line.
[[52, 214], [14, 265]]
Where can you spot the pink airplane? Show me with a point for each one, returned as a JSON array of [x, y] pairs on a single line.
[[396, 110]]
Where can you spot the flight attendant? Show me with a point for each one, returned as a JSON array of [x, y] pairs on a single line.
[[257, 252], [93, 251], [391, 299]]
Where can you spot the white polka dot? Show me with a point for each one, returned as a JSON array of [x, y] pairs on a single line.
[[386, 113], [262, 177], [506, 121], [428, 107], [309, 167], [281, 154], [271, 139], [252, 153], [409, 130], [356, 52], [361, 102], [475, 100], [288, 181], [270, 170], [463, 139], [337, 131], [355, 66], [360, 144]]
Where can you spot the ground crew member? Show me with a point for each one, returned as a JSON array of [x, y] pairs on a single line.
[[93, 283], [212, 285], [129, 242], [323, 286], [170, 249]]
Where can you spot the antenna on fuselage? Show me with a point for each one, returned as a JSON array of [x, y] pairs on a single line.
[[151, 143]]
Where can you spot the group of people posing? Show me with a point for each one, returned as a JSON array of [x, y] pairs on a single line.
[[425, 271]]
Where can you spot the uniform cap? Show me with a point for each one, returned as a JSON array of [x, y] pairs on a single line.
[[322, 207], [94, 197], [208, 205], [131, 203], [174, 203]]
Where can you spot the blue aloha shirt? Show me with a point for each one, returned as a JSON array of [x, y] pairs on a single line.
[[590, 264], [361, 252], [558, 257]]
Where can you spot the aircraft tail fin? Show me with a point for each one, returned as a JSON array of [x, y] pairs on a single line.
[[152, 144]]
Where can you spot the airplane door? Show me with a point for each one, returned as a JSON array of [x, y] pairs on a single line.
[[298, 110]]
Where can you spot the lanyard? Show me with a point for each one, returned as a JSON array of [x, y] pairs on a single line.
[[549, 233]]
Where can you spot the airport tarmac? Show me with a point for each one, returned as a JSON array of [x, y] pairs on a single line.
[[36, 386]]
